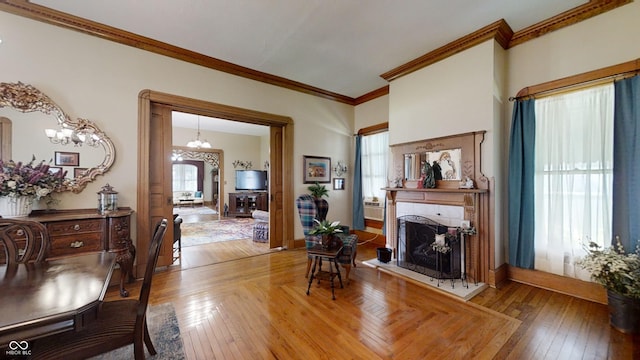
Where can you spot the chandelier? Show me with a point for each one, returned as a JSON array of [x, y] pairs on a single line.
[[197, 143], [66, 135]]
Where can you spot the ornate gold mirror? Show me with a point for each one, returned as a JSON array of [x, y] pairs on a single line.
[[78, 146]]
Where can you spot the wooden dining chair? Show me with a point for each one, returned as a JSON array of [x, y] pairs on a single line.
[[119, 323], [23, 241]]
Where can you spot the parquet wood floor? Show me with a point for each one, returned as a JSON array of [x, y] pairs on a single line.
[[257, 308]]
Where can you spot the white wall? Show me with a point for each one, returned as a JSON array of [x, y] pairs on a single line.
[[372, 112], [100, 80]]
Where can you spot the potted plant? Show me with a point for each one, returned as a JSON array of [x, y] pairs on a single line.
[[619, 273], [322, 206], [327, 231], [318, 191]]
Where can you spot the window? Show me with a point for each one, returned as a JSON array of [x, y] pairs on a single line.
[[375, 159], [185, 177], [573, 176]]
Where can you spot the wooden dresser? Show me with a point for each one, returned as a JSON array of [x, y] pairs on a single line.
[[85, 230]]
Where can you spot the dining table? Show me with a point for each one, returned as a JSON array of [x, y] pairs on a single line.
[[54, 296]]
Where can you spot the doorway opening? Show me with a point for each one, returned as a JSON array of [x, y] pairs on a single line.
[[154, 169]]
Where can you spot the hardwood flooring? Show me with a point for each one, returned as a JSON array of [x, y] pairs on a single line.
[[257, 308]]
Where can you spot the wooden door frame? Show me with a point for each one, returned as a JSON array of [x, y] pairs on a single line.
[[279, 224]]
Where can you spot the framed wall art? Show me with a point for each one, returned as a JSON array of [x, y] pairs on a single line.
[[338, 183], [67, 158], [79, 172], [316, 169]]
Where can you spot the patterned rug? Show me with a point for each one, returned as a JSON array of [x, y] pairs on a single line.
[[196, 210], [214, 231], [165, 334]]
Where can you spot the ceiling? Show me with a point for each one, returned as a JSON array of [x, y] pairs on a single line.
[[342, 46], [339, 46]]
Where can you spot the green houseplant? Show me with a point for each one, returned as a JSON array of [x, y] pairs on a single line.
[[619, 273], [318, 191], [327, 230]]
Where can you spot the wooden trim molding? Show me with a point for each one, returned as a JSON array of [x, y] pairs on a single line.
[[499, 30], [562, 284], [502, 33], [629, 67], [372, 95], [374, 129], [569, 17], [41, 13]]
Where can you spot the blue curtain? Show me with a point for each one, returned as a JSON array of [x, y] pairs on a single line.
[[626, 163], [521, 184], [358, 205]]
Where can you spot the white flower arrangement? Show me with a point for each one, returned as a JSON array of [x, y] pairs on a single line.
[[613, 268]]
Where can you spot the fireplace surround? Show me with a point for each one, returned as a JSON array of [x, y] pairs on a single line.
[[476, 201]]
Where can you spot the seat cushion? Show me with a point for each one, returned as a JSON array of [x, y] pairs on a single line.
[[260, 215]]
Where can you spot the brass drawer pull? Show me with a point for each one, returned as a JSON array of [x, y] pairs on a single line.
[[76, 244], [76, 227]]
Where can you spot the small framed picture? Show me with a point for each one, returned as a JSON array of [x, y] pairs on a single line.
[[316, 169], [77, 172], [67, 158], [54, 169], [338, 183]]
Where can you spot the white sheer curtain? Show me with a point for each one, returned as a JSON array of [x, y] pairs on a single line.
[[375, 159], [573, 181], [185, 177]]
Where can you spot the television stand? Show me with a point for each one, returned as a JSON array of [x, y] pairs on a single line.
[[242, 204]]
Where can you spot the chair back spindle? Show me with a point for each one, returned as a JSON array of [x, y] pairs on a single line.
[[23, 241]]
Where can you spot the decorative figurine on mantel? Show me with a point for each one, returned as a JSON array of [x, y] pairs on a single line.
[[429, 179], [467, 183], [437, 170]]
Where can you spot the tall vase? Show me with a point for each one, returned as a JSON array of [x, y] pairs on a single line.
[[18, 206], [624, 313]]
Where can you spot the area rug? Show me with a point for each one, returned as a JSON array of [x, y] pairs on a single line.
[[196, 210], [165, 334], [214, 231]]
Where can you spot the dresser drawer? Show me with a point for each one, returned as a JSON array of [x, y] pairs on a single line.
[[75, 227], [75, 244], [75, 236]]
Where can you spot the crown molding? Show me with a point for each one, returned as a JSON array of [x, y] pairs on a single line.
[[502, 33], [47, 15], [499, 30], [372, 95], [569, 17]]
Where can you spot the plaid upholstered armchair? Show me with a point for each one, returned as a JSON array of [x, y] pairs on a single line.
[[310, 208]]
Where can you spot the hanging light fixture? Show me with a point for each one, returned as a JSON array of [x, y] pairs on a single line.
[[197, 143]]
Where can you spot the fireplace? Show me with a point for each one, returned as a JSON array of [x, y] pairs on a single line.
[[416, 234], [478, 255]]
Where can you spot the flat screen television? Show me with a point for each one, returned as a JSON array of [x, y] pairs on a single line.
[[251, 180]]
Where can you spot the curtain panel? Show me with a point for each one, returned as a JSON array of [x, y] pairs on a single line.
[[358, 204], [626, 168], [521, 185]]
